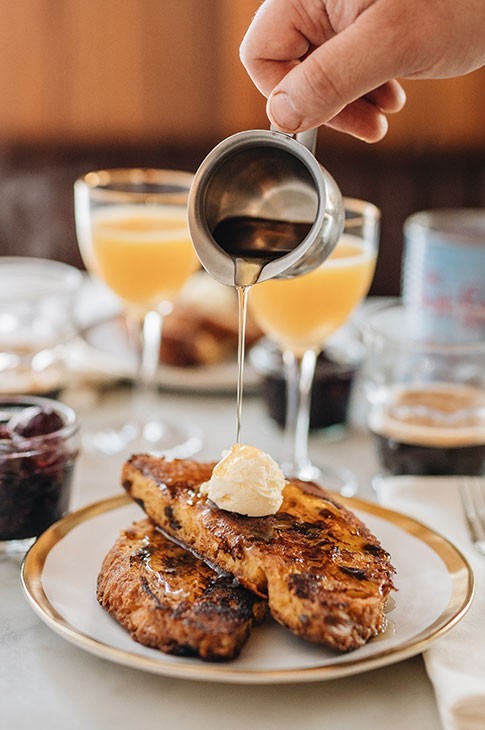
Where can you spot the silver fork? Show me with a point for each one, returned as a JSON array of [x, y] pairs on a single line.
[[472, 491]]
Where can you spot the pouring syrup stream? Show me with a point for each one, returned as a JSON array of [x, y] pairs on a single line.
[[252, 243], [242, 300]]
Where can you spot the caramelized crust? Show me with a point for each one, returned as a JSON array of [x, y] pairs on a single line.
[[325, 575], [168, 599]]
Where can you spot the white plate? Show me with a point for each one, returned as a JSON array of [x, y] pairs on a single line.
[[103, 353], [434, 582]]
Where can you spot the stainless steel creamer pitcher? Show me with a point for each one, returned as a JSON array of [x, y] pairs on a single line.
[[261, 207]]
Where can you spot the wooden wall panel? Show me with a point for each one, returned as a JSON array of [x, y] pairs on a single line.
[[91, 71], [95, 70], [442, 113], [241, 106]]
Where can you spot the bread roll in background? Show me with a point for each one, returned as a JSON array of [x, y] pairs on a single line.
[[203, 327]]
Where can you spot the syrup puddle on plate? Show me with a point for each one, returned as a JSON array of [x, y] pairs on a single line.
[[390, 628], [389, 631]]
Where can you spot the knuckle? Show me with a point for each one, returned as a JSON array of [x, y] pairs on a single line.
[[324, 85]]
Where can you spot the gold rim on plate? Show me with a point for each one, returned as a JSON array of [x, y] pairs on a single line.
[[458, 569]]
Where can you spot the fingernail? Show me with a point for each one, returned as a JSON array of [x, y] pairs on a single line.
[[282, 112]]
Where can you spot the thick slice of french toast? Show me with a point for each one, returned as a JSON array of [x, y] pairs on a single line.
[[168, 599], [325, 575]]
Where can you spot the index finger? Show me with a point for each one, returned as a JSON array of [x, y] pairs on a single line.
[[278, 38]]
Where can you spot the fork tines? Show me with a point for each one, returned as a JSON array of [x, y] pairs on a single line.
[[472, 491]]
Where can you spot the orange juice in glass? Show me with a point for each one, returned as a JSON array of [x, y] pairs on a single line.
[[133, 234], [145, 255], [300, 315], [303, 312]]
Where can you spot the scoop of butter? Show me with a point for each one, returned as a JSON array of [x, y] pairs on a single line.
[[247, 481]]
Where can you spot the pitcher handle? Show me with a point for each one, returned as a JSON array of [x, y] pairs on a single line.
[[308, 138]]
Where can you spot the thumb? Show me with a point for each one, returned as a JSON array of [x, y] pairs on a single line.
[[333, 77]]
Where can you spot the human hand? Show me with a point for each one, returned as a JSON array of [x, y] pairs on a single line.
[[335, 63]]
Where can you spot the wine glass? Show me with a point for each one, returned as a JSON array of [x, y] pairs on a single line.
[[300, 315], [133, 234]]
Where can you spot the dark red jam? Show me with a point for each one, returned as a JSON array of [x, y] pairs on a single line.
[[38, 448]]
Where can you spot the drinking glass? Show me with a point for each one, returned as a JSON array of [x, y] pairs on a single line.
[[39, 445], [426, 397], [133, 234], [442, 273], [37, 323], [300, 314]]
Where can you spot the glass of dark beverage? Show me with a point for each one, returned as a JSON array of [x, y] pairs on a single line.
[[330, 389], [426, 399], [39, 443]]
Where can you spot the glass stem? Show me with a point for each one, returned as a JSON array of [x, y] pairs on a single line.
[[146, 334], [299, 374]]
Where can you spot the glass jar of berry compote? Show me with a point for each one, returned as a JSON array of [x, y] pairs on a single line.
[[39, 443]]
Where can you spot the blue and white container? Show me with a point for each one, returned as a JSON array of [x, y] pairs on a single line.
[[443, 278]]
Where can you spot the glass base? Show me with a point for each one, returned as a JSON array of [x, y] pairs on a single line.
[[15, 548], [376, 483], [160, 438], [334, 479]]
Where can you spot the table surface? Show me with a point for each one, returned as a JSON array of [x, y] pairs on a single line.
[[46, 680]]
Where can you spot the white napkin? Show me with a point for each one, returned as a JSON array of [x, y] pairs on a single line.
[[456, 662]]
